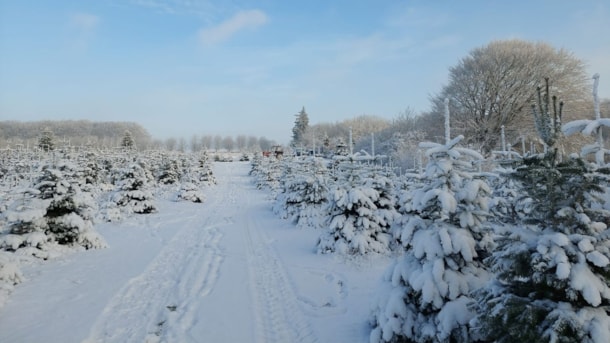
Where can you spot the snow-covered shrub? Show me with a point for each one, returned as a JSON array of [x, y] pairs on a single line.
[[55, 209], [267, 172], [190, 192], [361, 208], [304, 192], [91, 172], [203, 170], [69, 219], [169, 172], [133, 190], [553, 269], [444, 235], [10, 275]]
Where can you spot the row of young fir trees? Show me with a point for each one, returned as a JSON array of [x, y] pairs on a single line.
[[516, 255], [56, 206]]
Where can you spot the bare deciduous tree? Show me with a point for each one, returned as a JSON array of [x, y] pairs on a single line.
[[228, 143], [492, 87]]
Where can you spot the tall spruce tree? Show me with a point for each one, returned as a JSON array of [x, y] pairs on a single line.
[[301, 125]]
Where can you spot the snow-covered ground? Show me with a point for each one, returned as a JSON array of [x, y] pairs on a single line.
[[227, 270]]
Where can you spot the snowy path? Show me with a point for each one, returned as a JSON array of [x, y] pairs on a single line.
[[223, 271]]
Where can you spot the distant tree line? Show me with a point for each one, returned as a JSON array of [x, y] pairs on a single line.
[[239, 143], [71, 132], [49, 135]]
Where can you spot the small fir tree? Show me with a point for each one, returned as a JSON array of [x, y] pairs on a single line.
[[133, 189], [361, 208], [204, 169], [169, 172], [46, 141], [445, 239], [127, 141], [303, 193], [63, 214]]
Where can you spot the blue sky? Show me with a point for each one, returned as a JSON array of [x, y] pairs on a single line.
[[185, 67]]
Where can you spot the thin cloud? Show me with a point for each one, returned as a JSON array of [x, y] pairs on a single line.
[[417, 17], [83, 30], [201, 8], [84, 21], [240, 21]]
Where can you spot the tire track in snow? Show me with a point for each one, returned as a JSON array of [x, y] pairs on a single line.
[[278, 316], [161, 303]]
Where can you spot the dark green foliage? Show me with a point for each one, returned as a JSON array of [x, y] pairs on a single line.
[[301, 124], [46, 141], [127, 142], [538, 295], [63, 212], [170, 172], [519, 319], [555, 185]]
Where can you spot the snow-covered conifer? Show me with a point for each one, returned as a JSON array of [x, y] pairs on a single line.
[[133, 190], [169, 172], [444, 234], [552, 268], [303, 193], [10, 275], [60, 211], [190, 192], [267, 172], [361, 208], [46, 141], [204, 169], [127, 142]]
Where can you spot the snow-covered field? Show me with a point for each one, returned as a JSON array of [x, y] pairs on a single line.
[[226, 270]]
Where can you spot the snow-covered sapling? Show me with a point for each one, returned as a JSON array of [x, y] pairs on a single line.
[[361, 208], [443, 231]]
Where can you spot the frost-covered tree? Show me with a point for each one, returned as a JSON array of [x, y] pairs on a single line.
[[445, 239], [361, 208], [190, 192], [301, 125], [491, 87], [46, 141], [127, 141], [10, 275], [91, 169], [60, 212], [591, 127], [169, 172], [267, 172], [133, 189], [304, 193], [203, 170], [552, 268]]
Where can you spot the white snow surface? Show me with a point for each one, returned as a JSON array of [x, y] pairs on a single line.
[[226, 270]]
